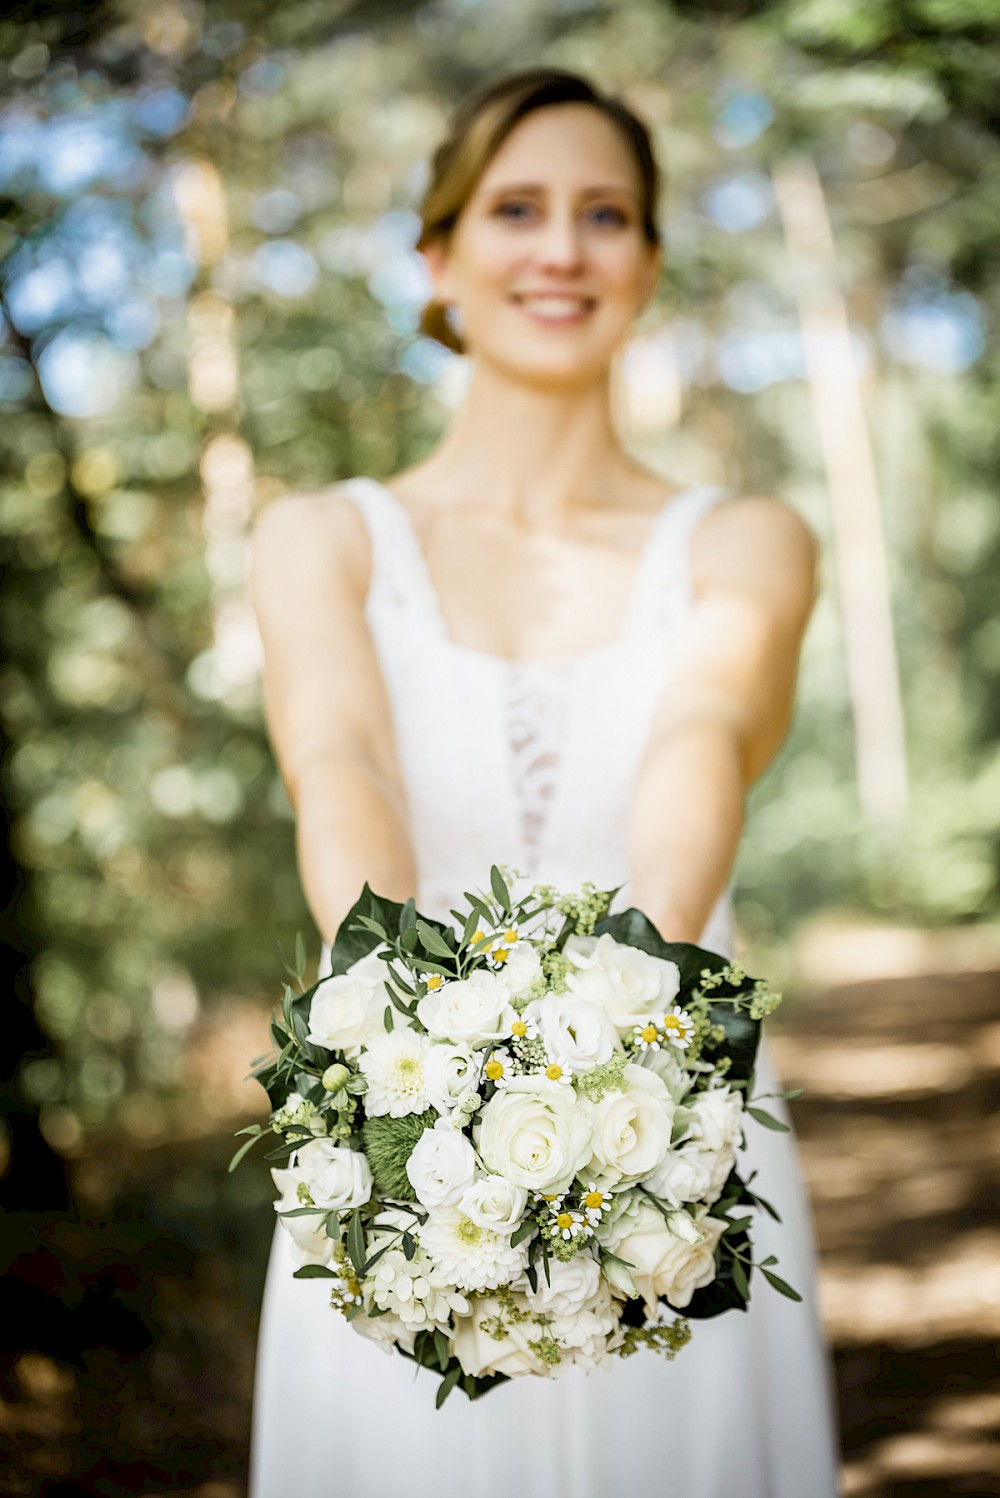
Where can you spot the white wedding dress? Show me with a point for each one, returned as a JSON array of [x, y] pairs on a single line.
[[533, 764]]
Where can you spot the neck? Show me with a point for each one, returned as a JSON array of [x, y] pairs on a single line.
[[533, 454]]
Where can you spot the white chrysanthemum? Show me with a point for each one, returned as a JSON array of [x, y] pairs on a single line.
[[471, 1256], [398, 1073], [415, 1290]]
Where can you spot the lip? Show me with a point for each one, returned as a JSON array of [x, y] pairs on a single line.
[[524, 301]]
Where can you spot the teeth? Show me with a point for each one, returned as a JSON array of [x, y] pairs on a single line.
[[559, 306]]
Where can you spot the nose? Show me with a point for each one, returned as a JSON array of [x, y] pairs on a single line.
[[560, 246]]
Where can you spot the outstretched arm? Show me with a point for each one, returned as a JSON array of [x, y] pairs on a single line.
[[725, 709], [324, 700]]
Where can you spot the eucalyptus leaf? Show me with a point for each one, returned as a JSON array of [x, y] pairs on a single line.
[[768, 1120], [499, 888], [779, 1284], [356, 1243], [314, 1272]]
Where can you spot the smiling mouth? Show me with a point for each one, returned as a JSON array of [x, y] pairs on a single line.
[[553, 307]]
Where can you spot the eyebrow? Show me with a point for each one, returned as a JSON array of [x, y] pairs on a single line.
[[604, 190]]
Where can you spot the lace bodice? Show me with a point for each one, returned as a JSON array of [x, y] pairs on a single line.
[[530, 763]]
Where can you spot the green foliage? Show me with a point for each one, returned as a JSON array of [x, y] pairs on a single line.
[[388, 1143]]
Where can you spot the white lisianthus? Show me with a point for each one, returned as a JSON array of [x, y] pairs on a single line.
[[716, 1121], [684, 1175], [669, 1069], [468, 1010], [628, 984], [575, 1033], [385, 1330], [441, 1166], [396, 1067], [469, 1255], [452, 1070], [631, 1128], [337, 1178], [570, 1286], [588, 1336], [520, 968], [493, 1202], [664, 1262], [536, 1134], [310, 1244]]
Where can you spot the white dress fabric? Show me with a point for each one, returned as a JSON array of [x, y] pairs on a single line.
[[533, 764]]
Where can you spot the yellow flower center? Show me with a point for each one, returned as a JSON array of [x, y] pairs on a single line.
[[494, 1070], [519, 1028], [468, 1231], [500, 954], [553, 1072], [648, 1034], [673, 1022], [477, 935], [564, 1220], [593, 1199], [434, 981], [510, 934]]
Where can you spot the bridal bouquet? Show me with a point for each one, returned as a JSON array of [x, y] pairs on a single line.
[[510, 1146]]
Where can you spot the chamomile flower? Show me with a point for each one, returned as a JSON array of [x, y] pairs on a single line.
[[435, 981], [523, 1028], [565, 1222], [499, 951], [556, 1073], [647, 1037], [678, 1027], [595, 1203], [498, 1067]]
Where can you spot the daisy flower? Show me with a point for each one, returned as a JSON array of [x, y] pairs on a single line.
[[557, 1073], [499, 951], [565, 1222], [647, 1037], [523, 1029], [678, 1027], [595, 1203], [498, 1067], [435, 981]]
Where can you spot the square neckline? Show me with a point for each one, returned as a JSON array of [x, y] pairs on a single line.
[[648, 552]]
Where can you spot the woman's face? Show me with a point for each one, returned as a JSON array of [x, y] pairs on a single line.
[[548, 262]]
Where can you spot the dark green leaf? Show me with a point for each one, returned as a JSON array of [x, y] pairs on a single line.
[[443, 1350], [449, 1381], [356, 1242], [314, 1272], [244, 1149], [387, 1018], [499, 888], [779, 1284], [767, 1120], [522, 1232]]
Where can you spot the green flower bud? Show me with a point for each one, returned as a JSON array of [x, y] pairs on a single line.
[[335, 1076]]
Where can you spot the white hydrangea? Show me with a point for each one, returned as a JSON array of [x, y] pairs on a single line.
[[416, 1290], [469, 1255], [396, 1067]]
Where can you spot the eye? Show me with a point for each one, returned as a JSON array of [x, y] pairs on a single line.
[[611, 214], [514, 209]]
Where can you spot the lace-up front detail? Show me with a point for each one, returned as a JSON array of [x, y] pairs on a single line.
[[526, 762]]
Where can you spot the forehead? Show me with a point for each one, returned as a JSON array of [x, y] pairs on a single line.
[[559, 143]]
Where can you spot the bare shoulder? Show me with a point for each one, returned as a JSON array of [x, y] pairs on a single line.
[[307, 538], [760, 544]]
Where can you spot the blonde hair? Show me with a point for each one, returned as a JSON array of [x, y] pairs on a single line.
[[477, 130]]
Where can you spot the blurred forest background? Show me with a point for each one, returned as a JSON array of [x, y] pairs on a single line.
[[209, 296]]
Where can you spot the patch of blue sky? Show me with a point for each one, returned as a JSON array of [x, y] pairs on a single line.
[[83, 374], [744, 114], [739, 201], [286, 268], [937, 328]]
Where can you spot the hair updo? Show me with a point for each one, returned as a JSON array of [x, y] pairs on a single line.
[[478, 129]]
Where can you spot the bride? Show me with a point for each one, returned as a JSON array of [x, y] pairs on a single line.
[[528, 649]]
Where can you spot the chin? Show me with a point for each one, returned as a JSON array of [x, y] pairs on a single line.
[[548, 367]]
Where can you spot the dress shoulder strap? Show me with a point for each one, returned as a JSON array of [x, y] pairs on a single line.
[[398, 575], [664, 589]]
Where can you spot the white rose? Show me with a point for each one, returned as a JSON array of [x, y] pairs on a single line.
[[473, 1009], [344, 1011], [631, 1128], [664, 1263], [338, 1178], [716, 1121], [452, 1070], [575, 1033], [310, 1244], [683, 1175], [480, 1353], [492, 1202], [536, 1133], [521, 967], [441, 1166], [629, 984], [571, 1285]]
